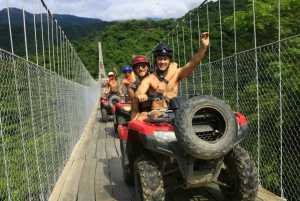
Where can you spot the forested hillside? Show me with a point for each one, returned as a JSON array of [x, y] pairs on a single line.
[[120, 40], [123, 39], [74, 28]]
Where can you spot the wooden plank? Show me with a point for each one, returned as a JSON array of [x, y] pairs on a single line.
[[92, 147], [110, 148], [60, 182], [86, 189], [97, 127], [84, 145], [267, 195], [69, 191], [120, 188], [103, 189], [75, 149], [118, 148], [102, 133], [101, 153]]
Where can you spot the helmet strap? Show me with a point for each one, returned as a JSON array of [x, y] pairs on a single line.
[[161, 74]]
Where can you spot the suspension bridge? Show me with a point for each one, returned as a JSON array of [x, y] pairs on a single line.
[[54, 145]]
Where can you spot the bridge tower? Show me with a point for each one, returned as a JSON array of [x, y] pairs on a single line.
[[102, 75]]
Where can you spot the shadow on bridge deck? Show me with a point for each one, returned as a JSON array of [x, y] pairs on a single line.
[[94, 172]]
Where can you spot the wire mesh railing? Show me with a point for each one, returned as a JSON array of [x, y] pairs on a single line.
[[257, 77], [47, 98]]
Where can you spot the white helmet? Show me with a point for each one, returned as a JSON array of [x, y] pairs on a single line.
[[110, 73]]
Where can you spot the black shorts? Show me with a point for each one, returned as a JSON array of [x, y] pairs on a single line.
[[146, 109]]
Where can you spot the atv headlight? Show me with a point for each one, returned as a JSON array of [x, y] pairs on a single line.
[[127, 108], [165, 136]]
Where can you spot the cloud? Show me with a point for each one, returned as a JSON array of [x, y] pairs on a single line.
[[109, 10]]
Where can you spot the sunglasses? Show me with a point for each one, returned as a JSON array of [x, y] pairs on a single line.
[[126, 72], [140, 65], [110, 76]]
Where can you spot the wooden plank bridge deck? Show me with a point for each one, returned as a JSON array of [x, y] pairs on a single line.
[[93, 172]]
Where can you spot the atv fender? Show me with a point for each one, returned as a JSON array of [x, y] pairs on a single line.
[[242, 128], [123, 132]]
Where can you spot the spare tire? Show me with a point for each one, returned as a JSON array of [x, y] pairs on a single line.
[[205, 127], [114, 100]]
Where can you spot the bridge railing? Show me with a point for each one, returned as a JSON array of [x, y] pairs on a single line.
[[255, 76], [46, 101]]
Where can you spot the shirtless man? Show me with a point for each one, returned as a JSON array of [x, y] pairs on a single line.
[[140, 65], [129, 77], [112, 83], [163, 54]]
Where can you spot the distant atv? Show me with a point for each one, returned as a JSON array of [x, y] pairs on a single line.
[[193, 144], [106, 104]]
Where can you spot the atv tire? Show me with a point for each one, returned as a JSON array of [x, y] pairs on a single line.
[[241, 174], [121, 120], [104, 115], [115, 123], [148, 181], [128, 176], [204, 143], [113, 100]]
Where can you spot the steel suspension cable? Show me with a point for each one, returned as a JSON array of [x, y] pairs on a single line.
[[184, 55], [210, 78], [41, 105], [193, 76], [31, 104], [179, 64], [235, 58], [257, 89], [222, 54], [199, 34], [280, 102]]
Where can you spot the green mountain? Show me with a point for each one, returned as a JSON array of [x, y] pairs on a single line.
[[74, 28], [16, 17]]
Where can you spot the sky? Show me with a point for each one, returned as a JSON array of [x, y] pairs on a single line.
[[110, 10]]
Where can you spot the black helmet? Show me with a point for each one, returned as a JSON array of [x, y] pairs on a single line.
[[163, 50]]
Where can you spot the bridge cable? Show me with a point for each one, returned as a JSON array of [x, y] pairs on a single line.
[[280, 102], [257, 90]]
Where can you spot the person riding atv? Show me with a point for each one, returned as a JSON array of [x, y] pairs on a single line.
[[163, 54]]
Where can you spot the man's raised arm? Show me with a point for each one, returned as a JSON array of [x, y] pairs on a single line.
[[188, 68], [117, 75], [121, 87]]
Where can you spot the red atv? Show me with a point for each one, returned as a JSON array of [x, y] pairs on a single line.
[[195, 143], [106, 104]]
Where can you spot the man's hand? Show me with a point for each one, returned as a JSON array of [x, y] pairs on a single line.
[[204, 38], [161, 87], [115, 69], [142, 98]]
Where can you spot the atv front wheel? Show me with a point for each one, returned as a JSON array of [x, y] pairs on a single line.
[[121, 119], [240, 174], [205, 127], [148, 181], [128, 176], [104, 115], [115, 123]]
